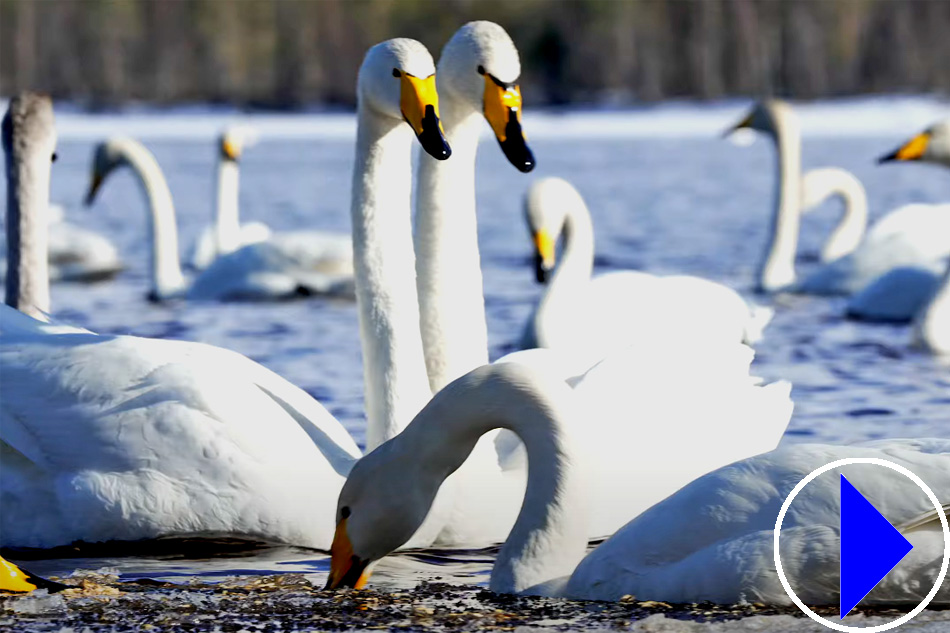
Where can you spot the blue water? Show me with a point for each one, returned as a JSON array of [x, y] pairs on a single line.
[[688, 205]]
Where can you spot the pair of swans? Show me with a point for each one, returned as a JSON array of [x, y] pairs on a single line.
[[117, 396], [913, 235], [711, 540], [579, 314], [236, 262]]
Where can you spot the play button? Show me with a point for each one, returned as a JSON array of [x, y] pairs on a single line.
[[870, 547]]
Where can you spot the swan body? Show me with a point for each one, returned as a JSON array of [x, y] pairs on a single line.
[[906, 237], [267, 270], [119, 437], [581, 314], [713, 540]]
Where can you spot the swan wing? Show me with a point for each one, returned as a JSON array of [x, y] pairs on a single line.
[[895, 297]]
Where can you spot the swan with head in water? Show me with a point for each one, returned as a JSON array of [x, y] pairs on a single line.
[[711, 540], [909, 236], [593, 316], [907, 293], [127, 438]]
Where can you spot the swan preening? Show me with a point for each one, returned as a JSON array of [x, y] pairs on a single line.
[[913, 235], [281, 267], [581, 314]]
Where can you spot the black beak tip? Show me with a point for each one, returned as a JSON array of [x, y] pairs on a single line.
[[431, 137], [541, 272], [887, 158]]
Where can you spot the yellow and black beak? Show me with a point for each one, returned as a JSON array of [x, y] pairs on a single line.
[[544, 258], [16, 580], [419, 103], [230, 150], [94, 185], [346, 569], [911, 150], [502, 108]]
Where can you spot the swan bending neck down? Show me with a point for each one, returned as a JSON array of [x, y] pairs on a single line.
[[796, 194], [29, 143], [477, 78], [165, 268], [389, 492], [395, 379]]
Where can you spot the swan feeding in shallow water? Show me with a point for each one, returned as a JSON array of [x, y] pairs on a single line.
[[593, 316], [126, 438], [912, 235]]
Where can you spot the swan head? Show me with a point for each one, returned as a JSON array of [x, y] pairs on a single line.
[[382, 504], [767, 116], [480, 67], [29, 132], [106, 157], [233, 140], [546, 206], [397, 81], [932, 145]]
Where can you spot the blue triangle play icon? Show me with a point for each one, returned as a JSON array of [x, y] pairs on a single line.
[[870, 547]]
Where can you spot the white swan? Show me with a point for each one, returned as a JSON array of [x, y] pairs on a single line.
[[226, 233], [909, 236], [477, 80], [902, 293], [272, 269], [596, 315], [824, 182], [712, 540], [119, 437]]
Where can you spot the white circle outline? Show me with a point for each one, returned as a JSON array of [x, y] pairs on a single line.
[[946, 544]]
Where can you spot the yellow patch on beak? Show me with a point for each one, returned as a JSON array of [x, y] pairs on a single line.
[[415, 96], [230, 149], [500, 105], [14, 580], [544, 245], [343, 564], [914, 148]]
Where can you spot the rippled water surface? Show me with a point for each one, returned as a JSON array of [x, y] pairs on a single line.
[[694, 204]]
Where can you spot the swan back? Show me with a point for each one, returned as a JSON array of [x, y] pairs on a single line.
[[29, 143]]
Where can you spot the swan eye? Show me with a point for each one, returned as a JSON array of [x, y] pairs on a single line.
[[396, 73], [345, 512], [481, 69], [55, 156]]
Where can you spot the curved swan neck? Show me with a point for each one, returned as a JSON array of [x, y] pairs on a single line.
[[819, 184], [448, 266], [777, 269], [394, 375], [572, 273], [549, 536], [931, 329], [27, 280], [167, 279], [227, 227]]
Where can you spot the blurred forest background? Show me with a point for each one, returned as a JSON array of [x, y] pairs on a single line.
[[291, 53]]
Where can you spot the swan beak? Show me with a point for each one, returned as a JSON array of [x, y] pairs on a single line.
[[419, 102], [502, 109], [543, 255], [911, 150], [746, 122], [346, 569], [230, 150], [15, 580], [94, 185]]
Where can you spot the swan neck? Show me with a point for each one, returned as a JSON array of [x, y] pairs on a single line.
[[167, 279], [849, 232], [548, 538], [777, 269], [572, 274], [27, 280], [227, 227], [394, 375], [448, 266]]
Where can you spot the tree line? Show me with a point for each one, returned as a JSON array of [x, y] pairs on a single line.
[[293, 53]]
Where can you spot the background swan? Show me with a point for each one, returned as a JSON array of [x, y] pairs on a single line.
[[593, 316], [477, 80], [119, 437], [824, 182], [261, 271], [909, 236], [226, 233]]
